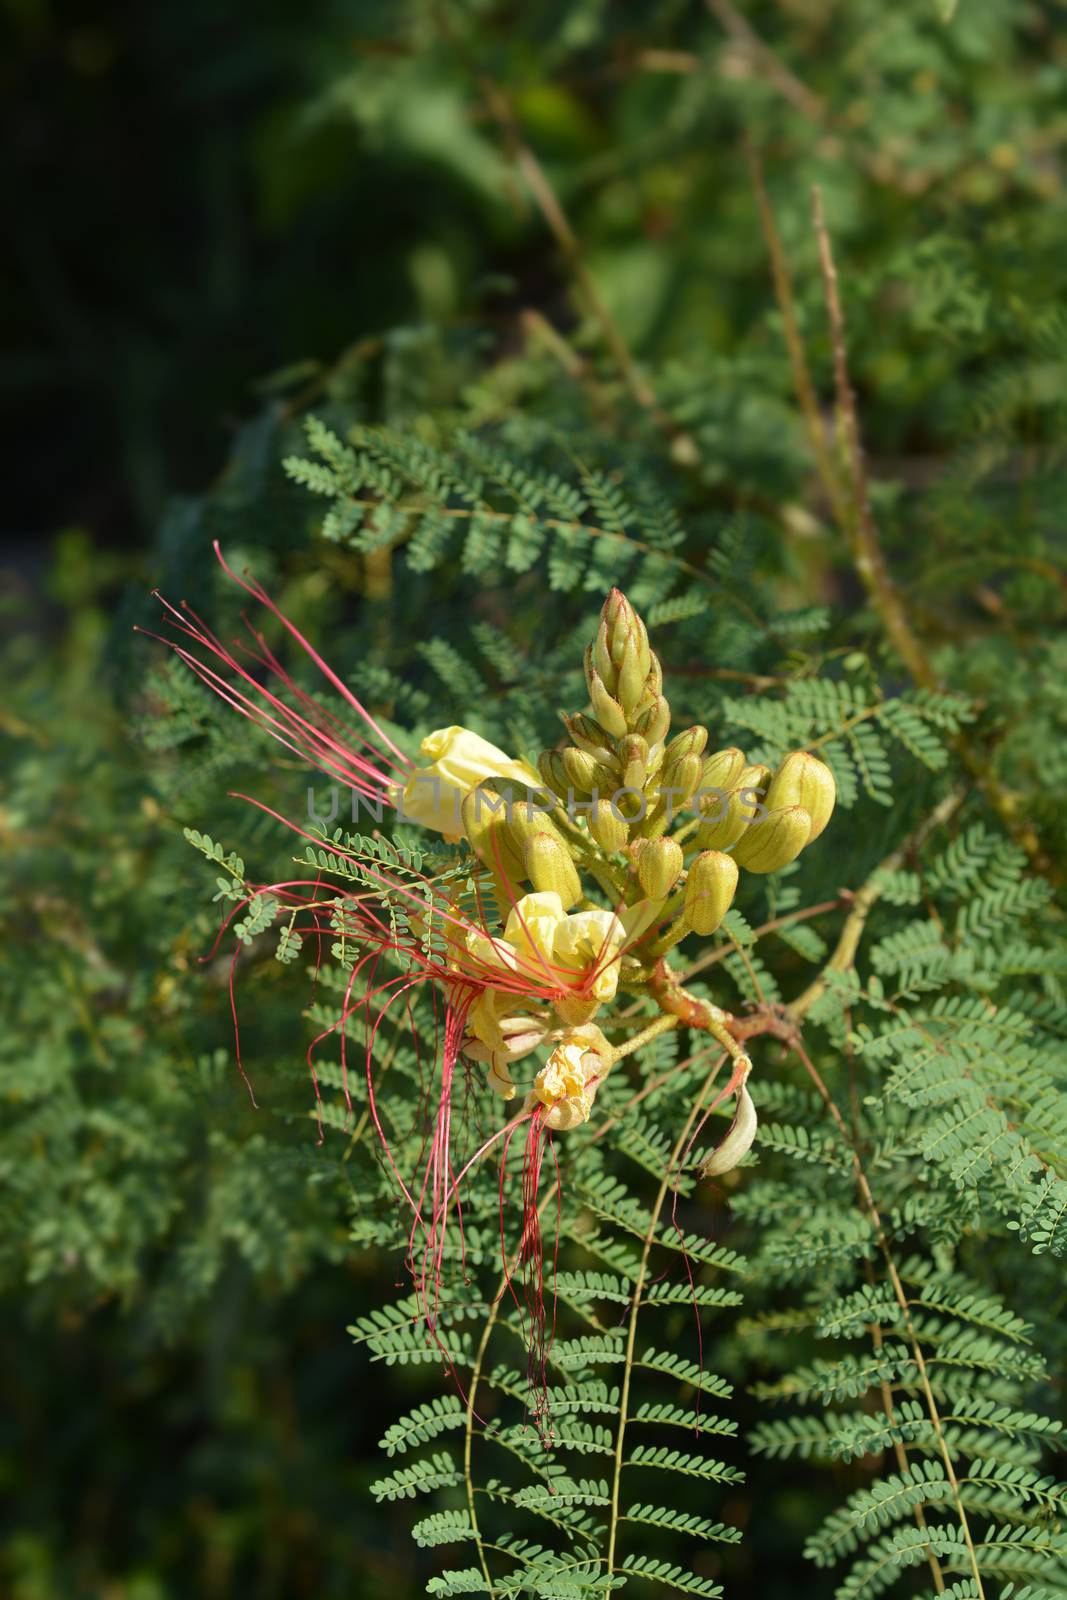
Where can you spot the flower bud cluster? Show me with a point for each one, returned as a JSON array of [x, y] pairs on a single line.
[[764, 818], [619, 763], [630, 780]]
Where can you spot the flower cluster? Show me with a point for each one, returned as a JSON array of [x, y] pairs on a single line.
[[582, 885], [604, 806], [593, 822]]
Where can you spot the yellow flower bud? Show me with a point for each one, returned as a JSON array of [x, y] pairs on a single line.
[[633, 754], [774, 841], [732, 813], [549, 867], [602, 657], [489, 834], [606, 708], [631, 674], [659, 866], [654, 721], [581, 770], [593, 739], [554, 773], [690, 742], [621, 623], [723, 769], [682, 775], [804, 780], [709, 891], [609, 831]]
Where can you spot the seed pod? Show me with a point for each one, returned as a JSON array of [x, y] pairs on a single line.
[[659, 866], [554, 773], [549, 866], [609, 831], [592, 738], [709, 891], [633, 754], [606, 709], [775, 841], [804, 780], [736, 1142]]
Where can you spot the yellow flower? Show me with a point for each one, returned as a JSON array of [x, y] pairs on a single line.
[[555, 948], [566, 1085], [528, 937], [498, 1024], [591, 940], [459, 761]]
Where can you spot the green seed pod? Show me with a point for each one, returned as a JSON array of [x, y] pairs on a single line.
[[554, 773], [609, 831], [709, 890], [659, 867], [606, 709], [804, 780], [775, 841], [736, 1142], [549, 866]]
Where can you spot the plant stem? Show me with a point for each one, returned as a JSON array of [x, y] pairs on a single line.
[[635, 1307], [660, 1025]]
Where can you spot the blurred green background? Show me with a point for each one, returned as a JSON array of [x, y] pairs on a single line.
[[221, 217]]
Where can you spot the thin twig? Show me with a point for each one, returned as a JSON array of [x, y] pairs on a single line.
[[867, 550], [787, 83], [635, 1307], [844, 954], [862, 533], [552, 211], [798, 360]]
